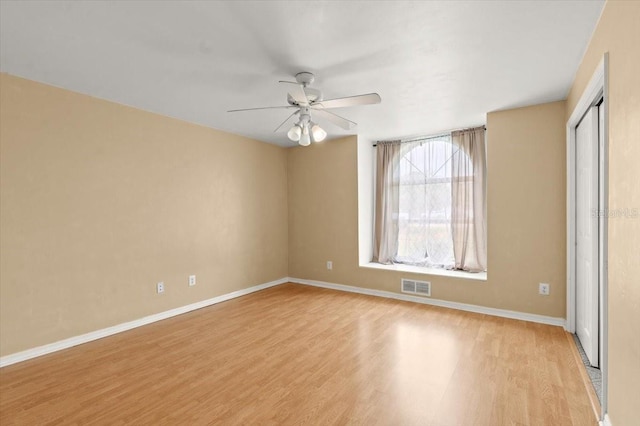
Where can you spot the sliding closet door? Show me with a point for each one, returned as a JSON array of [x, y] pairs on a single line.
[[587, 202]]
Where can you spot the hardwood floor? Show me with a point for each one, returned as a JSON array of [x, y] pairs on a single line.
[[294, 354]]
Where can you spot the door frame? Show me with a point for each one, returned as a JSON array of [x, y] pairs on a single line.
[[596, 89]]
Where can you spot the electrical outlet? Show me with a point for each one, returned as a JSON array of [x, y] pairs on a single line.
[[160, 287], [329, 265], [192, 280], [543, 289]]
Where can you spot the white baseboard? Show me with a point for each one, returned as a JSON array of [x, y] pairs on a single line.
[[560, 322], [98, 334], [606, 421]]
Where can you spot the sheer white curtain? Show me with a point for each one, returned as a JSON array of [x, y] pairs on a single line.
[[468, 199], [424, 219]]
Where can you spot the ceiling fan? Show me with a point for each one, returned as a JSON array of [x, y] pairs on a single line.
[[308, 101]]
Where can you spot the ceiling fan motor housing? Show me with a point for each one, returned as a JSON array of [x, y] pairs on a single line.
[[313, 95]]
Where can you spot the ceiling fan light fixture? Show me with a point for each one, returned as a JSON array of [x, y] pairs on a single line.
[[294, 133], [318, 133], [307, 101]]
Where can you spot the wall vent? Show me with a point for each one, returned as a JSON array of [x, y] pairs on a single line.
[[422, 288]]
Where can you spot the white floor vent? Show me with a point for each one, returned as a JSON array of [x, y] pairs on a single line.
[[422, 288]]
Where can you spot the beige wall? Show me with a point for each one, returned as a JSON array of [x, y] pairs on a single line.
[[618, 33], [100, 201], [526, 216]]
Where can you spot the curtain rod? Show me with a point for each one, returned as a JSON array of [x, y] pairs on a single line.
[[438, 136]]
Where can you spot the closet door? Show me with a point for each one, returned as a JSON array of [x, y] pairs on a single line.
[[587, 261]]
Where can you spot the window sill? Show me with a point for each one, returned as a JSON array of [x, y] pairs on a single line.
[[479, 276]]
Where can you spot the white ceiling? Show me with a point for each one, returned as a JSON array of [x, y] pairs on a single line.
[[436, 65]]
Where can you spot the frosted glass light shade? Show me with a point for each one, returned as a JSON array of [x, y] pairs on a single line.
[[318, 133], [294, 133], [305, 140]]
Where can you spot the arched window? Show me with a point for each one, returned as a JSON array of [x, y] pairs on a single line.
[[430, 202], [424, 196]]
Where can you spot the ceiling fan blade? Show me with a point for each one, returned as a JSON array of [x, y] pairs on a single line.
[[368, 99], [254, 109], [285, 121], [335, 119], [296, 91]]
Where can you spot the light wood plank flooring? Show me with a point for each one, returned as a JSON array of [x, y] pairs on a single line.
[[293, 355]]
